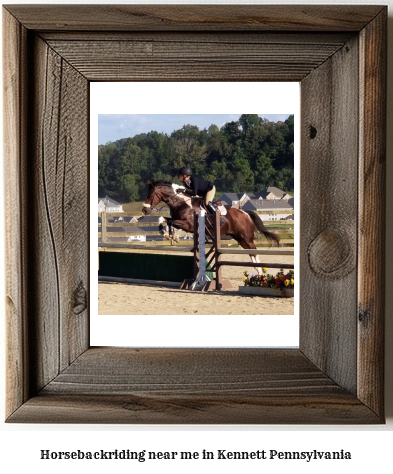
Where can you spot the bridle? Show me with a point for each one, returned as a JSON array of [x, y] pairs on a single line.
[[151, 205]]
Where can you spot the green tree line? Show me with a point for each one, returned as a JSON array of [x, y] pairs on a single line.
[[242, 156]]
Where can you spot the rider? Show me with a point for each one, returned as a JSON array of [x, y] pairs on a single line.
[[197, 187]]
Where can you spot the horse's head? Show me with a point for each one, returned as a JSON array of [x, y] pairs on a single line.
[[151, 200], [157, 191]]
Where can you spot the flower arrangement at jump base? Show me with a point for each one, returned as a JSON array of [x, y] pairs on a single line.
[[281, 281]]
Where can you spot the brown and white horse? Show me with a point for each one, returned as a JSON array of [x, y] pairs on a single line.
[[240, 225]]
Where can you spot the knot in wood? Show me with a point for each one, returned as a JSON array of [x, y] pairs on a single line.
[[331, 255], [313, 132], [80, 299], [364, 316]]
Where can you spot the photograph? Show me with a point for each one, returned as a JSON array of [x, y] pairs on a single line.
[[159, 175]]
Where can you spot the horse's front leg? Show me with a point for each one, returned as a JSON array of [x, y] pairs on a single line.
[[172, 235], [169, 232], [163, 229], [178, 224]]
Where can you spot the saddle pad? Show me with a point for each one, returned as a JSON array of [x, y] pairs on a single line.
[[222, 209]]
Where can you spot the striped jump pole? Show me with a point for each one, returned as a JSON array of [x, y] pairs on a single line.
[[207, 233], [201, 278]]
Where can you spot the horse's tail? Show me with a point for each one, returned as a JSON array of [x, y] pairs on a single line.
[[259, 226]]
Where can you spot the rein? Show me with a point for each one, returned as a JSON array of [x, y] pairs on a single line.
[[176, 196]]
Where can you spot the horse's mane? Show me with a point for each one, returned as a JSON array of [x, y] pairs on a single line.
[[160, 182]]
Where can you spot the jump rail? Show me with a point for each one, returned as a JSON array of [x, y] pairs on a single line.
[[221, 251], [146, 247], [255, 252]]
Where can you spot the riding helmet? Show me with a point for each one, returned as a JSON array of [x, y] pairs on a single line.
[[185, 171]]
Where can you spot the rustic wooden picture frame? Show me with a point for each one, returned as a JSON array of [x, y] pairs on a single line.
[[338, 54]]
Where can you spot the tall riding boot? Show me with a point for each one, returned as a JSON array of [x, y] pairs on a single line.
[[213, 208]]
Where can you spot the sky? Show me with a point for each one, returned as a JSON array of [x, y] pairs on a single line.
[[112, 127]]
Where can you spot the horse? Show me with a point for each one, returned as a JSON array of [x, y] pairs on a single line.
[[240, 225]]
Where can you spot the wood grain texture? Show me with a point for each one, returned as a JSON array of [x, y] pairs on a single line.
[[171, 59], [196, 18], [192, 409], [200, 37], [372, 207], [14, 148], [194, 386], [58, 191], [53, 375], [328, 248]]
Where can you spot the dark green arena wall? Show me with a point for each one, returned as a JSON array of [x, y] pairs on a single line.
[[146, 266]]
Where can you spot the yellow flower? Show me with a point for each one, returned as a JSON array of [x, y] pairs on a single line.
[[292, 281], [245, 279], [264, 269], [286, 282]]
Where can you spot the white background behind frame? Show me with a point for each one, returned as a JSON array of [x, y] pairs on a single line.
[[190, 98], [367, 457]]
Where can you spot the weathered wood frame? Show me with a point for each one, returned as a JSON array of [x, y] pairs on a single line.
[[338, 53]]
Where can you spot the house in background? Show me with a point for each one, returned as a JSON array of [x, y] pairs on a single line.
[[270, 193], [270, 208], [270, 199], [107, 204], [235, 199]]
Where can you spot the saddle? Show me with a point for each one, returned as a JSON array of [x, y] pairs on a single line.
[[219, 206]]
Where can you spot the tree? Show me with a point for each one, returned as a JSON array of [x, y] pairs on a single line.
[[244, 155], [264, 171], [284, 179], [190, 153], [128, 187], [231, 132], [248, 121], [243, 172]]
